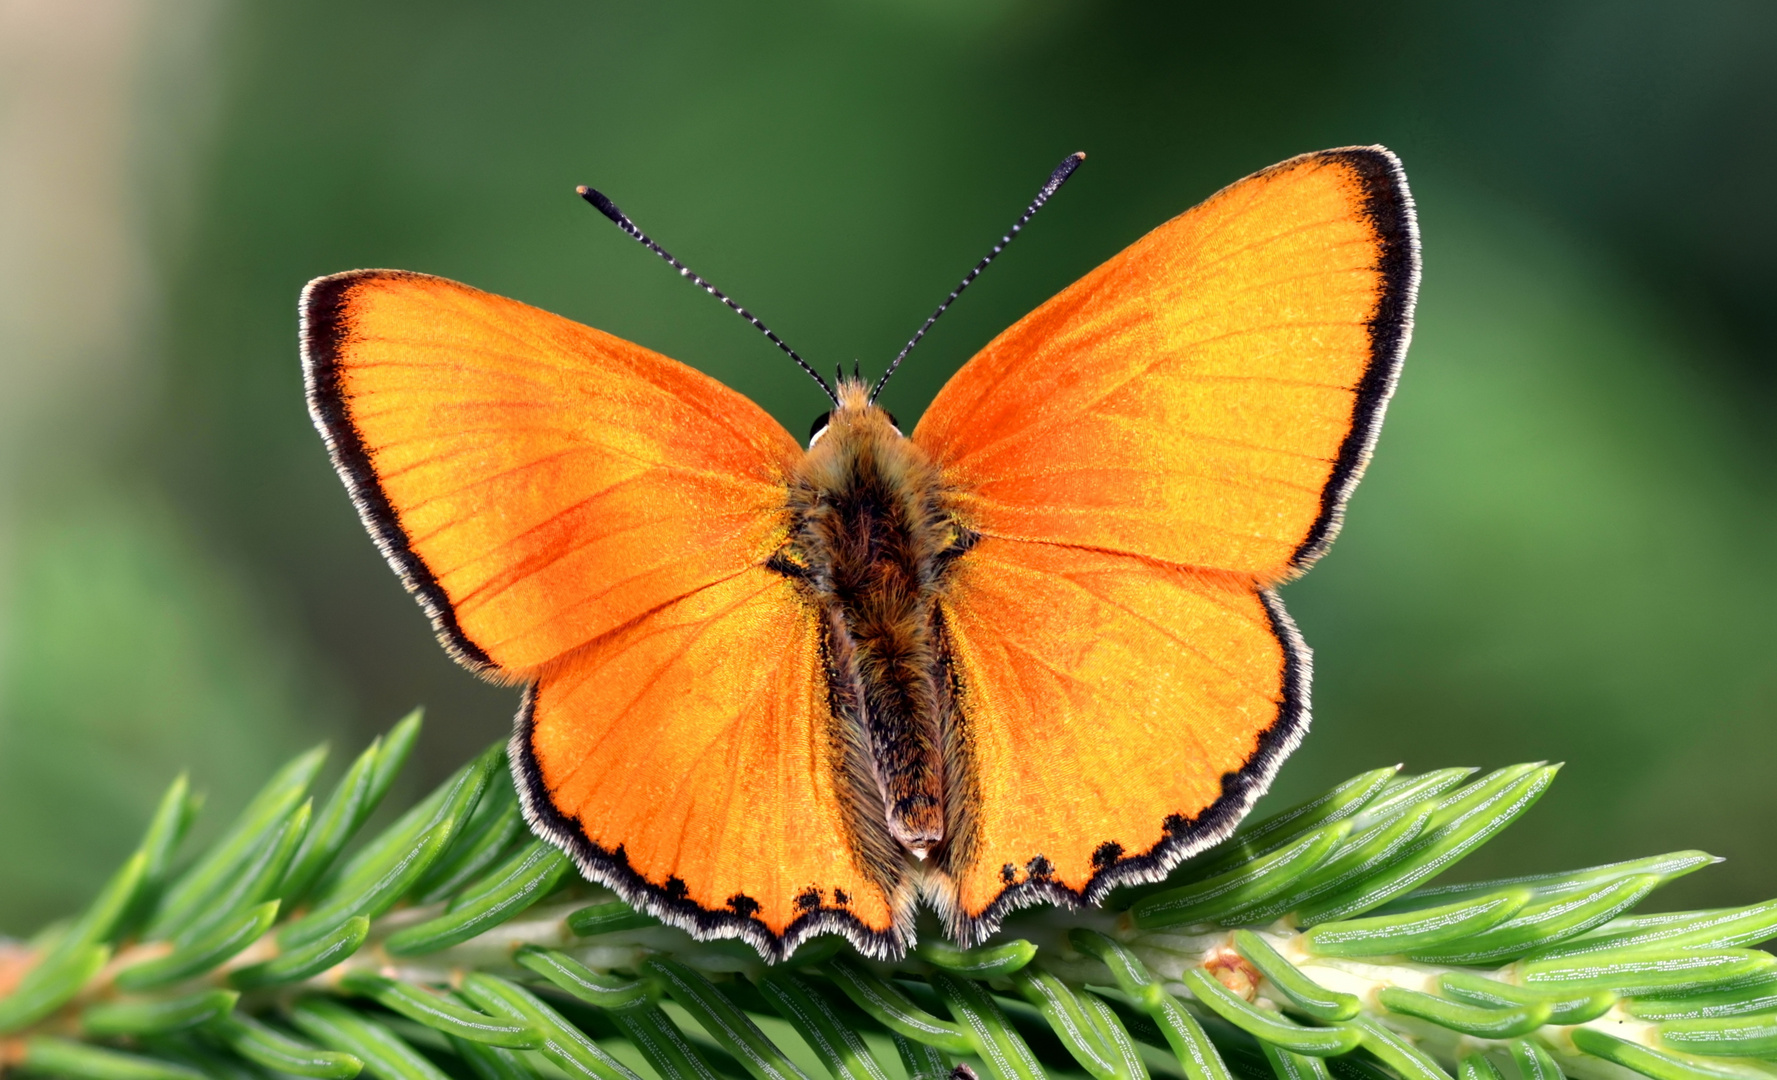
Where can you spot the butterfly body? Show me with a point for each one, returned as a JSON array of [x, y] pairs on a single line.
[[1026, 653], [871, 540]]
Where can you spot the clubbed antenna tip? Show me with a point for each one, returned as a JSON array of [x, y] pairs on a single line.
[[1050, 186], [608, 208]]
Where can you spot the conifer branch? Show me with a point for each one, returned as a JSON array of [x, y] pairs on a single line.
[[453, 945]]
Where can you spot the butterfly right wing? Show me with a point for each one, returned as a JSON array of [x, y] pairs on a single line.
[[1115, 715], [1144, 457], [1208, 396]]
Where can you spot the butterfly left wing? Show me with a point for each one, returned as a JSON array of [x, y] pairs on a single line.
[[594, 519], [692, 761], [535, 482]]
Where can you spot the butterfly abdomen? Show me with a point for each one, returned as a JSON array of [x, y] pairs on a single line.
[[871, 541]]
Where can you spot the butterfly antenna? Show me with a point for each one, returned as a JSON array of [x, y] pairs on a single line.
[[1050, 187], [621, 220]]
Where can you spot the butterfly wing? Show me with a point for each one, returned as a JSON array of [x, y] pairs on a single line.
[[1209, 396], [1144, 456], [1115, 713], [594, 519], [691, 760], [536, 483]]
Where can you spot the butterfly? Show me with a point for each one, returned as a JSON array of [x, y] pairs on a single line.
[[1028, 653]]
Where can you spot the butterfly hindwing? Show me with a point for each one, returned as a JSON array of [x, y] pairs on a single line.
[[1103, 700], [692, 761], [1144, 456]]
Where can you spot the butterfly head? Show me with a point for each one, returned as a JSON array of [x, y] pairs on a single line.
[[854, 413]]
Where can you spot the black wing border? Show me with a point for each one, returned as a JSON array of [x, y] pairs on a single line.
[[326, 333]]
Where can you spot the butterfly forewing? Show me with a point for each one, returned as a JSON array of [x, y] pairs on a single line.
[[536, 482], [1208, 396]]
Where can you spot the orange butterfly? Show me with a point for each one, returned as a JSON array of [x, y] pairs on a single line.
[[1029, 653]]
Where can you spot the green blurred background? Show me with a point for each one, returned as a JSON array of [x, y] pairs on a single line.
[[1562, 550]]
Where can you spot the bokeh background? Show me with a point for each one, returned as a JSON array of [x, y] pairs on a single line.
[[1563, 550]]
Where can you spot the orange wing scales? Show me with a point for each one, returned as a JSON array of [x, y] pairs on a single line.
[[1146, 455], [704, 790], [592, 518], [536, 482], [1209, 396], [1122, 716]]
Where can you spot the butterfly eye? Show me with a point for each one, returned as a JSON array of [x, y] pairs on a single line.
[[896, 424], [819, 428]]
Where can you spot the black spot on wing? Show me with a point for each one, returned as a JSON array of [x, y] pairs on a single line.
[[1106, 854]]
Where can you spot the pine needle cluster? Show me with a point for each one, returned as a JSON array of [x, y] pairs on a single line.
[[452, 945]]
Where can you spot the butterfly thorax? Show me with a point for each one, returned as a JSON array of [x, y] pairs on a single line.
[[871, 539]]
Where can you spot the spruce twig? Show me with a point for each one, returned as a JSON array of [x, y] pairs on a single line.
[[452, 945]]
